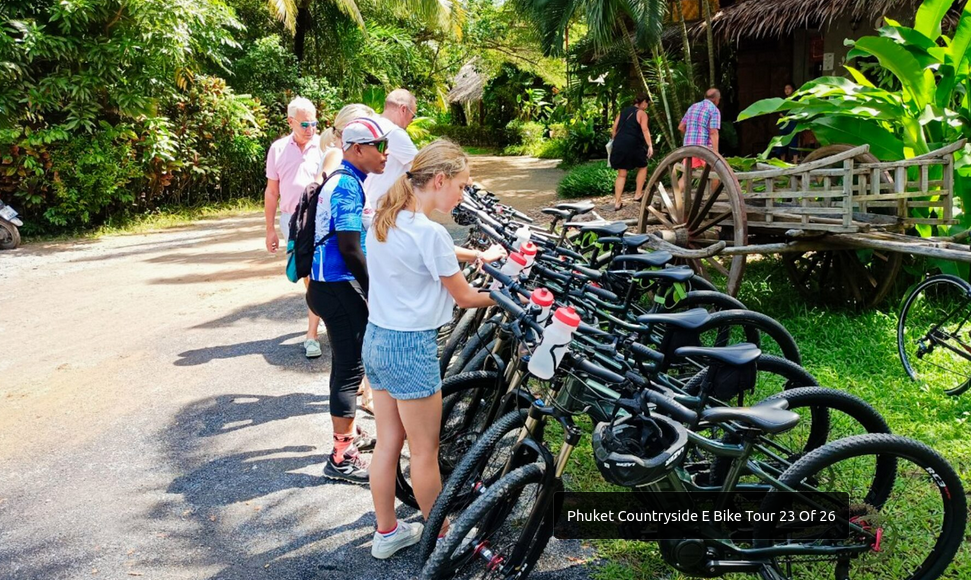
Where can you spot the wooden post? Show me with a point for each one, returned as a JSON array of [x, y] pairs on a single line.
[[948, 193], [769, 202], [900, 186], [848, 192], [804, 197]]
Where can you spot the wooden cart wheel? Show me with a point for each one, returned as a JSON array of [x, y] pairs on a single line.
[[699, 213], [856, 278]]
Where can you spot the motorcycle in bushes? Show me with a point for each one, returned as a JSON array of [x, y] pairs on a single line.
[[9, 222]]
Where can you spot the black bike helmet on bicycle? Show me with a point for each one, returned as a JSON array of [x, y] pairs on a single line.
[[640, 449]]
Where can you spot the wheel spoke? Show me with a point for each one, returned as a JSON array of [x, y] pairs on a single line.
[[667, 201], [660, 216], [708, 205], [711, 223], [718, 266], [699, 194]]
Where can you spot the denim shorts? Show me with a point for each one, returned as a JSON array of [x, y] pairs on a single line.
[[404, 363]]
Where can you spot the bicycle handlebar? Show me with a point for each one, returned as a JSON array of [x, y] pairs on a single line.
[[670, 407]]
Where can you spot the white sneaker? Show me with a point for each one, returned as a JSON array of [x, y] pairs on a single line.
[[312, 348], [406, 535]]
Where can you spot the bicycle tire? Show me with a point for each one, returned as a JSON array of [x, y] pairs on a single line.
[[452, 444], [766, 325], [853, 412], [914, 363], [505, 490], [483, 334], [926, 462], [456, 492], [456, 337]]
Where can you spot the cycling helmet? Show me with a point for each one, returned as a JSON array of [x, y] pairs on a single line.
[[638, 450]]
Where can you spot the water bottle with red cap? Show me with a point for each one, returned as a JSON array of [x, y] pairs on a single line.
[[544, 299], [523, 235], [513, 266], [556, 340], [528, 250]]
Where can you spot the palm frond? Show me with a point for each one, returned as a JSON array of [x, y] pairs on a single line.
[[437, 14], [284, 11]]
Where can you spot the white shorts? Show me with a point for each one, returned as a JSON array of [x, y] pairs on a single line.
[[284, 228]]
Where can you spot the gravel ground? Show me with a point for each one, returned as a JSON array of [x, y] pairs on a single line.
[[158, 418]]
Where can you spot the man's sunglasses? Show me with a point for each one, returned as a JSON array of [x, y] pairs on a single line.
[[381, 146], [308, 124]]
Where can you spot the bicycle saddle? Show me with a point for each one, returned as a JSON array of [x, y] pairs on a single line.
[[611, 229], [768, 418], [629, 242], [735, 355], [557, 212], [653, 260], [676, 274], [576, 208], [689, 319]]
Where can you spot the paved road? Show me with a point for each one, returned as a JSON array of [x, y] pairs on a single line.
[[158, 418]]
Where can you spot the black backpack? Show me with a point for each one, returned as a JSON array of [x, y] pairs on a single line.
[[300, 241]]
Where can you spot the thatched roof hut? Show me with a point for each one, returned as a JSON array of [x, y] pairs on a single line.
[[468, 85], [760, 19]]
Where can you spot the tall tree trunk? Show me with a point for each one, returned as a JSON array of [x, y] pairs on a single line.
[[675, 99], [711, 44], [636, 61], [686, 46], [663, 85], [302, 26]]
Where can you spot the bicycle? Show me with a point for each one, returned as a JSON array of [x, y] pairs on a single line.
[[934, 334]]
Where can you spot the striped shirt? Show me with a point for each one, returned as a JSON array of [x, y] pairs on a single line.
[[701, 118]]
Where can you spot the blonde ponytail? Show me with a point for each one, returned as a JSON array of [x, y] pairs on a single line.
[[440, 156], [332, 136]]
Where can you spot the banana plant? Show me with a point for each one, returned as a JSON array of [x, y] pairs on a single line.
[[932, 109]]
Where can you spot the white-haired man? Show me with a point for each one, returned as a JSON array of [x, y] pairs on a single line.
[[291, 165], [400, 109]]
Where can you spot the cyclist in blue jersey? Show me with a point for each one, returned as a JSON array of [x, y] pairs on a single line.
[[339, 286]]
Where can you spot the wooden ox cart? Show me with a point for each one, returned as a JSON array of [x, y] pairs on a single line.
[[842, 219]]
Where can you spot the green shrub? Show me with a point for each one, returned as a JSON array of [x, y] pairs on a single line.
[[585, 140], [595, 179], [476, 136], [552, 149], [558, 130], [591, 179], [526, 132]]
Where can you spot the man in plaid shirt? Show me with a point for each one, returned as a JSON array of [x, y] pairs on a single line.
[[701, 123]]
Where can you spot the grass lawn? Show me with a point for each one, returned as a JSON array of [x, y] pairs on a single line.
[[855, 352]]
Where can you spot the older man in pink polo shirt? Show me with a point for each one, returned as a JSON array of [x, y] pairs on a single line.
[[292, 164]]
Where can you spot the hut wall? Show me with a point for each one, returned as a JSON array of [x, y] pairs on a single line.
[[764, 67]]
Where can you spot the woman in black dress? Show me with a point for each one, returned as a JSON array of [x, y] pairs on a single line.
[[632, 148]]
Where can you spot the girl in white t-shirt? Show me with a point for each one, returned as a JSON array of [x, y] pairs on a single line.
[[413, 267]]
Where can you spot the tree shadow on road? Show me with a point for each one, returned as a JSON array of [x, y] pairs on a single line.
[[246, 476], [273, 350], [286, 308], [228, 413]]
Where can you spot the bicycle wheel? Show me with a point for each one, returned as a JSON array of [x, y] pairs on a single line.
[[457, 337], [909, 519], [480, 543], [465, 397], [735, 326], [934, 334], [826, 415], [480, 336], [774, 375], [473, 476]]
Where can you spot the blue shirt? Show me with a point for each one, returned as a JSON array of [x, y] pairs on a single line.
[[340, 208]]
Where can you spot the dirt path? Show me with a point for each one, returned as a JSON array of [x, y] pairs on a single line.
[[158, 418]]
